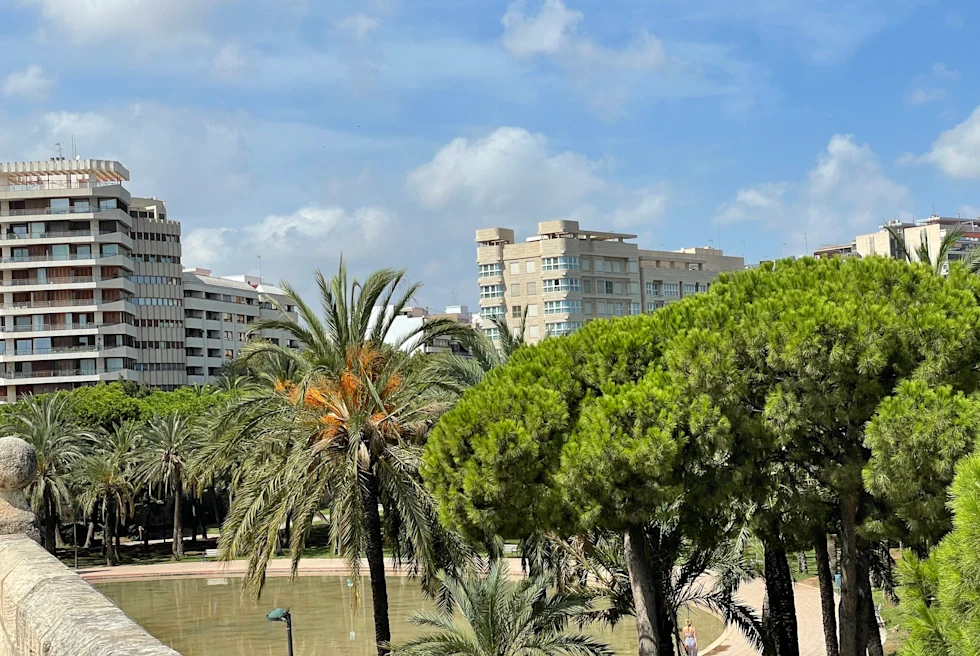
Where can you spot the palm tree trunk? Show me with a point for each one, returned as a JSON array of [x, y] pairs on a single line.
[[109, 534], [782, 603], [178, 546], [90, 531], [376, 561], [50, 522], [204, 519], [214, 504], [646, 601], [826, 580]]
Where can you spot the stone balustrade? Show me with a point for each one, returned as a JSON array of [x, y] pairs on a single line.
[[46, 609]]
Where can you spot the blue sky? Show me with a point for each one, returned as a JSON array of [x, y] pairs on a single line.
[[390, 130]]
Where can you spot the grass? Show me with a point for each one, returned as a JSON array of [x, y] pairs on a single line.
[[894, 622]]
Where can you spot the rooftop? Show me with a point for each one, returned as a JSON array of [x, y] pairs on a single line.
[[101, 170]]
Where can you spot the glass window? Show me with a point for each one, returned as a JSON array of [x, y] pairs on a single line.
[[492, 333], [586, 264], [563, 263], [83, 252], [562, 327], [60, 252], [495, 312], [107, 204], [634, 288], [563, 307], [653, 289], [634, 266], [60, 206], [81, 206], [688, 288], [491, 291], [23, 347], [562, 285], [109, 250], [111, 364], [617, 266], [516, 311], [671, 289], [490, 270], [530, 266], [634, 308]]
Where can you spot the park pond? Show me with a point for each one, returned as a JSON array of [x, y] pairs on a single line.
[[206, 617]]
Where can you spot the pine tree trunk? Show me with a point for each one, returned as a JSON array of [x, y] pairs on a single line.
[[647, 603], [50, 523], [826, 580], [874, 635], [376, 561], [782, 602], [850, 618], [178, 546]]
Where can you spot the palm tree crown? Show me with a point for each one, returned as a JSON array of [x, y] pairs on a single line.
[[495, 616]]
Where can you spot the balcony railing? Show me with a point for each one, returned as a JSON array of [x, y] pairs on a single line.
[[61, 234], [57, 280], [54, 373], [49, 257], [45, 327], [74, 302], [58, 184], [74, 209], [54, 350]]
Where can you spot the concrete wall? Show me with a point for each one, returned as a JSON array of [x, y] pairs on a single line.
[[48, 610]]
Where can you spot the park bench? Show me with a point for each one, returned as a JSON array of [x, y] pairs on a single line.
[[210, 554]]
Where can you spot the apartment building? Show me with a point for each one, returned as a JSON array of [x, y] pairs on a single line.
[[217, 313], [411, 319], [564, 276]]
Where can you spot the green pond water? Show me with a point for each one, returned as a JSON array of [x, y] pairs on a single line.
[[206, 617]]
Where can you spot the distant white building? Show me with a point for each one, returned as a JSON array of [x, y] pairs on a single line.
[[217, 313], [412, 318]]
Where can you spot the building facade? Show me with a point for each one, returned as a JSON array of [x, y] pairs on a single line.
[[91, 282], [217, 313], [412, 318], [564, 276]]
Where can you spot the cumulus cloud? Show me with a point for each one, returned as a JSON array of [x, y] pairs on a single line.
[[357, 25], [957, 151], [941, 72], [229, 61], [147, 24], [920, 96], [608, 76], [31, 83], [844, 194]]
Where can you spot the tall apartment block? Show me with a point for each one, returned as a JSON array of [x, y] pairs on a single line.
[[217, 312], [91, 281], [564, 276]]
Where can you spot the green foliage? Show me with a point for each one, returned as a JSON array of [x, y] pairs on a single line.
[[916, 438], [942, 593], [105, 405], [495, 616]]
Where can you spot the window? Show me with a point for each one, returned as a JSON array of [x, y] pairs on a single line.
[[562, 285], [634, 308], [563, 307], [490, 270], [515, 268], [617, 309], [534, 332], [562, 327], [693, 266], [634, 288], [688, 288], [239, 318], [587, 286], [532, 310], [532, 288], [229, 335], [229, 354], [617, 266], [226, 316], [588, 307], [530, 266], [671, 289], [516, 311], [60, 206], [515, 289], [563, 263], [634, 266], [653, 289], [107, 204], [492, 291], [599, 265], [606, 287], [585, 264], [492, 333], [495, 312], [654, 305]]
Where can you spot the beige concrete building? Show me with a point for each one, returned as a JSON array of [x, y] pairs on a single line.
[[412, 318], [217, 313], [564, 276]]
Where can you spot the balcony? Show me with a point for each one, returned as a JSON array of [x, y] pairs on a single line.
[[57, 327], [59, 258], [41, 185], [56, 350], [38, 305], [59, 211], [60, 373], [54, 280]]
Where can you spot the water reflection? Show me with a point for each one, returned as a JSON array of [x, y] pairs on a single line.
[[206, 617]]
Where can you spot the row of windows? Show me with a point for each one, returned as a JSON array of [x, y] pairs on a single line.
[[561, 285], [170, 302], [495, 312], [672, 289], [155, 280], [490, 270], [655, 305], [159, 345], [157, 236], [614, 309], [491, 291], [566, 306], [563, 263], [610, 287], [160, 366], [561, 327], [159, 323], [160, 259]]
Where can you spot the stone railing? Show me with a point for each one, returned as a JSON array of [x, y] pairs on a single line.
[[45, 608]]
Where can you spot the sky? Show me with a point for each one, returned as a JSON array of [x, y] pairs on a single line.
[[388, 131]]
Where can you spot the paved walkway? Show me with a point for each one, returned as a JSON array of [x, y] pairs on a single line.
[[731, 643]]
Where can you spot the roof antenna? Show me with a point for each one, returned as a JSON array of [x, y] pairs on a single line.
[[58, 146]]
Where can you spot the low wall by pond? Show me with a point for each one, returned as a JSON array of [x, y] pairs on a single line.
[[46, 609]]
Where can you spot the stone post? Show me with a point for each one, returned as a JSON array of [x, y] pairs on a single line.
[[18, 467]]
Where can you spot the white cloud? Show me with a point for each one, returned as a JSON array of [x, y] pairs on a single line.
[[844, 194], [941, 72], [920, 96], [31, 83], [229, 62], [607, 76], [357, 25], [957, 151], [147, 24]]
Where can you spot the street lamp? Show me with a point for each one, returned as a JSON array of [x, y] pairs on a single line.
[[282, 615]]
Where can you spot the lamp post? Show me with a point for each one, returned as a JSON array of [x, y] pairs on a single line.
[[282, 615]]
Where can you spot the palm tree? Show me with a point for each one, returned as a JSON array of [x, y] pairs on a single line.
[[495, 616], [341, 428], [460, 372], [165, 452], [921, 252], [105, 479], [47, 423]]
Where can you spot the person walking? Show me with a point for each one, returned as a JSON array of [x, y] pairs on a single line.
[[690, 639]]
